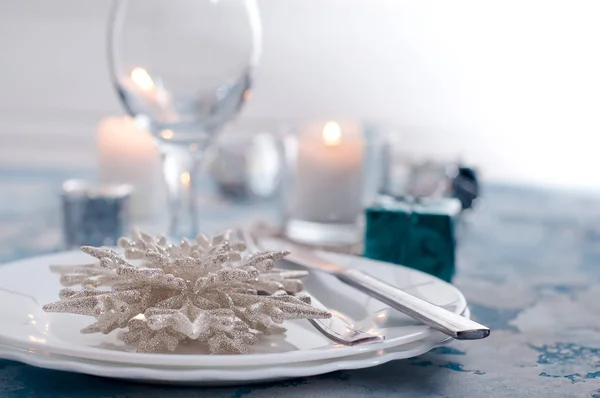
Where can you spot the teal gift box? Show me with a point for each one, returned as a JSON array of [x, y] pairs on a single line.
[[417, 233]]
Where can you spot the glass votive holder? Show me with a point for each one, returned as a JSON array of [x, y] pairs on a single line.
[[245, 161], [94, 214], [331, 174], [410, 170]]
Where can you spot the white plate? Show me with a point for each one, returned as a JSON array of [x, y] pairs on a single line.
[[222, 376], [27, 285]]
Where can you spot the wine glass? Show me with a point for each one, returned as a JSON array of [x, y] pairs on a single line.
[[183, 69]]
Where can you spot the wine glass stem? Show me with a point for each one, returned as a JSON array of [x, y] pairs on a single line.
[[180, 168]]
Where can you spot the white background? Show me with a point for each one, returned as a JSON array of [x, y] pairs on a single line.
[[512, 86]]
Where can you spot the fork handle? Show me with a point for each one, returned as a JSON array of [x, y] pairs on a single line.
[[438, 318]]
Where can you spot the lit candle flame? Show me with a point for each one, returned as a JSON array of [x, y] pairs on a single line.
[[332, 134], [185, 178], [166, 134], [142, 79]]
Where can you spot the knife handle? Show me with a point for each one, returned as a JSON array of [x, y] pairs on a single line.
[[447, 322]]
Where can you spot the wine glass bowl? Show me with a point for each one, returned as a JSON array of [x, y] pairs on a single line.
[[184, 67]]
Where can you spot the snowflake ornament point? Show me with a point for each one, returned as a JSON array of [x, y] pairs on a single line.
[[205, 289]]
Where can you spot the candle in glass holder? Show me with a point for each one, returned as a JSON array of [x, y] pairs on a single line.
[[128, 155], [325, 168]]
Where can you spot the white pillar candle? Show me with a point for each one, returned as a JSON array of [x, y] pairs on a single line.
[[129, 155], [328, 175]]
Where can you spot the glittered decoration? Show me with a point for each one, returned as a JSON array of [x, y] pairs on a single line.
[[207, 290]]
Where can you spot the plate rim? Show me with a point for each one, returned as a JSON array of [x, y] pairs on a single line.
[[222, 375], [181, 360]]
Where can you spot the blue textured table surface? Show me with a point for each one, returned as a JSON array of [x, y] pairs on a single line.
[[529, 265]]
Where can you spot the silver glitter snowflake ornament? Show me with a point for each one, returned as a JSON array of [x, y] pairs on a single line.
[[207, 290]]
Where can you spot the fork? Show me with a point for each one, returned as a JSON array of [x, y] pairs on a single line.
[[338, 328]]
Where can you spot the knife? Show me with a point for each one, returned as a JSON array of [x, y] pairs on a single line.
[[449, 323]]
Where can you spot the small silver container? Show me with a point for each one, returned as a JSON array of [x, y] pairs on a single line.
[[94, 214]]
